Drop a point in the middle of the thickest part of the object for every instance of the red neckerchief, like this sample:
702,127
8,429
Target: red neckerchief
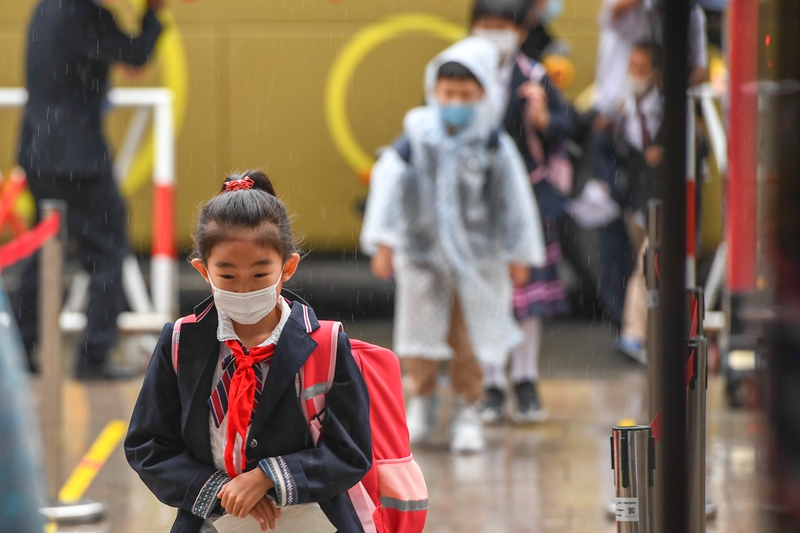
241,396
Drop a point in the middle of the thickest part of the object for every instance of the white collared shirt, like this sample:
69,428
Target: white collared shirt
225,332
652,109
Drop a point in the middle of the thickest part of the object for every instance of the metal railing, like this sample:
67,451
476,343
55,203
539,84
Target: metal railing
149,309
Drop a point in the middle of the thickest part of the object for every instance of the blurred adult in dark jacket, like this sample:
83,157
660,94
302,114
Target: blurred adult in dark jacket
72,45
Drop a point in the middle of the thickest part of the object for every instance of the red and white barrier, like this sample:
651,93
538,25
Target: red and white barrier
149,314
691,195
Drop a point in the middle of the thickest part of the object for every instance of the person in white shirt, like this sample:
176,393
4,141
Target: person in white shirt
622,186
626,22
639,153
622,24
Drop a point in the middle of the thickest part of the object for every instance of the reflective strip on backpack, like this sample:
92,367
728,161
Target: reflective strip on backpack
404,506
401,485
315,390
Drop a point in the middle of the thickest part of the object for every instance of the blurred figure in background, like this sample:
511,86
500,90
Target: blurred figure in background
451,215
539,38
72,45
715,17
623,23
638,152
538,119
21,489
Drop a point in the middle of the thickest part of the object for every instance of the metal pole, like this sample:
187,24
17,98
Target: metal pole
673,477
633,462
653,314
698,355
50,295
695,312
50,340
784,337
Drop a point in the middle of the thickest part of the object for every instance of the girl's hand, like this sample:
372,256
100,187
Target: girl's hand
381,263
266,513
520,274
243,492
538,113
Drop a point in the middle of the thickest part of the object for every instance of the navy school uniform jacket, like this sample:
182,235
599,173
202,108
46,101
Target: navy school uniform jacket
168,440
562,125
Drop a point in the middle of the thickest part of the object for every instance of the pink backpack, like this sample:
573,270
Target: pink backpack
392,497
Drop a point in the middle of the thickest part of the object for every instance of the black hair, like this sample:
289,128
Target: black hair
255,209
457,71
654,50
516,11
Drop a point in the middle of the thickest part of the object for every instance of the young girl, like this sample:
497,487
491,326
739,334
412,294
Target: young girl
228,431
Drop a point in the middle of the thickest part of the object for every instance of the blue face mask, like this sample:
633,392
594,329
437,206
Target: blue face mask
456,115
552,10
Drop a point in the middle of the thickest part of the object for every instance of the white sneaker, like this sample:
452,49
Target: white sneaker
417,414
466,431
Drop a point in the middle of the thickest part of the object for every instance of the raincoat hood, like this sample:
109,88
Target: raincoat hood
482,59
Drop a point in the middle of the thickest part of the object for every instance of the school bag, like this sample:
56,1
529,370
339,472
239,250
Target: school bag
392,497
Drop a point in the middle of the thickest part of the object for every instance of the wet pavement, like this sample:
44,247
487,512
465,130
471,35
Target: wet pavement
553,476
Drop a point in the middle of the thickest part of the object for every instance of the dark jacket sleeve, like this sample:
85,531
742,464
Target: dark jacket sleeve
562,116
108,43
344,454
154,446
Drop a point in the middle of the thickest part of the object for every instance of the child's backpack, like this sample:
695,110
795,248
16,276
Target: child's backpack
392,497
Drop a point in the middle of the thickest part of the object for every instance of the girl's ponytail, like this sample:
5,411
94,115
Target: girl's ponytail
260,181
247,203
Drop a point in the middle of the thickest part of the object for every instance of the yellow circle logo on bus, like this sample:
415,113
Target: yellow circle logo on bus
348,60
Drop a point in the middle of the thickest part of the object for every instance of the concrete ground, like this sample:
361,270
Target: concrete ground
554,476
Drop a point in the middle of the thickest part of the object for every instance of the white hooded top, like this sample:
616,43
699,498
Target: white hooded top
459,207
482,59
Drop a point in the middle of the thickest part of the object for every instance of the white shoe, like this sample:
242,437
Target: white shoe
417,414
466,431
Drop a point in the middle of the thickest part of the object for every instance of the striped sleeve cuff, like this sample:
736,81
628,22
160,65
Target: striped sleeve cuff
207,500
278,471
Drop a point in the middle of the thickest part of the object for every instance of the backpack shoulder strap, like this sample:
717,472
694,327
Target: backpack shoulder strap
494,138
403,147
316,375
531,69
176,338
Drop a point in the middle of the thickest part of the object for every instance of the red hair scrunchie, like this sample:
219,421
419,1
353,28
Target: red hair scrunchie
239,185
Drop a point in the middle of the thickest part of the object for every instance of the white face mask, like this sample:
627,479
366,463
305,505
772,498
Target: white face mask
639,86
506,41
246,307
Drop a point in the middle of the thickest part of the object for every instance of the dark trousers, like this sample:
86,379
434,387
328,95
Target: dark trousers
616,265
97,228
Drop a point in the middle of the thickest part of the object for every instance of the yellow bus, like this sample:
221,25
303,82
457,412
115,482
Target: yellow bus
305,89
